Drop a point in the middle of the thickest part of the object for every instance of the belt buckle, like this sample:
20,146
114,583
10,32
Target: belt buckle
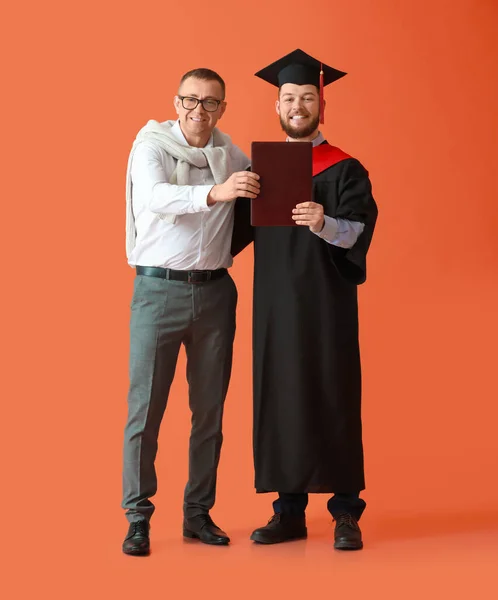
198,277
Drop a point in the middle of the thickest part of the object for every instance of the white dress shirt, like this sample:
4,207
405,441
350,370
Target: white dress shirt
201,236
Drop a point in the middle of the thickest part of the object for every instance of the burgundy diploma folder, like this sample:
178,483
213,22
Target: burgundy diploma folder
285,170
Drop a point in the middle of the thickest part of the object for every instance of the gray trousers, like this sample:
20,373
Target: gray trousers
165,314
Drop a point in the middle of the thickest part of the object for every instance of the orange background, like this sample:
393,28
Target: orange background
419,108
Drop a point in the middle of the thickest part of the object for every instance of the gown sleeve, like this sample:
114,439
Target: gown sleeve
243,231
355,203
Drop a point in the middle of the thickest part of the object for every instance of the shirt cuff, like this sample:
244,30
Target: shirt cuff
329,230
200,194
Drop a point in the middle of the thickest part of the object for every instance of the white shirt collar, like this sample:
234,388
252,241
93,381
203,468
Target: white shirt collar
318,140
176,130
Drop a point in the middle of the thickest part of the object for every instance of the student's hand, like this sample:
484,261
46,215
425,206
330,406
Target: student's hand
242,184
309,214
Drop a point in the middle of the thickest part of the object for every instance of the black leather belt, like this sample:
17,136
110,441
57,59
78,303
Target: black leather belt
189,276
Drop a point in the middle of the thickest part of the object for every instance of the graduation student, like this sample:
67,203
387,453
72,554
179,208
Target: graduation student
306,359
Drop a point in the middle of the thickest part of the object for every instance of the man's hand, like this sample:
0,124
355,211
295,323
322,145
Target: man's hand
310,214
243,184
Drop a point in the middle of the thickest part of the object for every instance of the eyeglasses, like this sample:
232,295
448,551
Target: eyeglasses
208,104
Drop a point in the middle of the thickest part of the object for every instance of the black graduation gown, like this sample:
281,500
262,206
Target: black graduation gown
306,360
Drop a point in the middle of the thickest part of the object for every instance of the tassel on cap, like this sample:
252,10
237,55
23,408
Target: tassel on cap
322,102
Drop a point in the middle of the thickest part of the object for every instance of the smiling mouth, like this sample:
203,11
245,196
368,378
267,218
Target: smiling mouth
298,118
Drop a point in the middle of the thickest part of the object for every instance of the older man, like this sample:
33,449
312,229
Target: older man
182,178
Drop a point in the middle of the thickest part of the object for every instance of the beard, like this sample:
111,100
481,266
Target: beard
298,134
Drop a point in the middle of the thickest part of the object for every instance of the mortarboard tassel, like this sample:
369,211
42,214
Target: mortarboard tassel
322,103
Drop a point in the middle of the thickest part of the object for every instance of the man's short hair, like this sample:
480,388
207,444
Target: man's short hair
205,75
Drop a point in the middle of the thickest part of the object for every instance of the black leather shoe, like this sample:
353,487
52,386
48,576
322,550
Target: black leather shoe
137,541
281,528
202,528
347,534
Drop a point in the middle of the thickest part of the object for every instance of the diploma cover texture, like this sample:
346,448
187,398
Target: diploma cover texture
285,170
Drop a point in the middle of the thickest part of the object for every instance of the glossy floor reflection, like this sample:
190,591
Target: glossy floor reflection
406,555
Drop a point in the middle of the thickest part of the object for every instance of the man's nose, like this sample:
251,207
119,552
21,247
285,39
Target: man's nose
199,108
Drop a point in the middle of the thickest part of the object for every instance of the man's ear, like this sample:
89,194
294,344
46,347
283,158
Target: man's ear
277,106
223,107
177,103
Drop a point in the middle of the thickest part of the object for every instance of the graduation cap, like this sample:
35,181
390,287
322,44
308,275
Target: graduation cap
302,69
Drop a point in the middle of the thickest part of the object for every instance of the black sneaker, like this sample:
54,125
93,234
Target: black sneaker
281,528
